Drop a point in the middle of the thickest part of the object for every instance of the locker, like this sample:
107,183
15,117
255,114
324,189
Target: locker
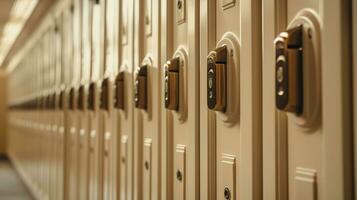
110,141
95,117
307,142
58,115
180,124
146,99
231,119
72,146
124,95
83,140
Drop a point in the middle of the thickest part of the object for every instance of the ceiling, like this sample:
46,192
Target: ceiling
32,22
5,7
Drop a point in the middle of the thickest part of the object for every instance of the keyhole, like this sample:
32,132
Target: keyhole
179,4
179,175
146,165
123,160
227,193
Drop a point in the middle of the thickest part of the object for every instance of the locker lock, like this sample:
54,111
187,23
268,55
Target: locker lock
53,101
60,101
80,99
172,83
141,88
216,79
289,66
119,91
71,99
104,95
48,102
91,96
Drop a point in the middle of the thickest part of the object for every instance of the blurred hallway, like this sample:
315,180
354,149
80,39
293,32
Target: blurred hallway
11,187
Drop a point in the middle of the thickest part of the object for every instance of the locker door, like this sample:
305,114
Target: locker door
124,105
70,114
230,78
74,32
307,128
59,112
53,107
95,134
63,104
180,100
147,100
107,104
83,141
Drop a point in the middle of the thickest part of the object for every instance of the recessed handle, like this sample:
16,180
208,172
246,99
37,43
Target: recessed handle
172,84
104,95
140,93
119,91
288,70
217,79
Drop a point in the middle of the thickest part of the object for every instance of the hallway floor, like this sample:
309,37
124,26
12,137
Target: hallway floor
11,185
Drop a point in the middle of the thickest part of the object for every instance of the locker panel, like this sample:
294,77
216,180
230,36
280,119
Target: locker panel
124,124
124,168
180,126
83,138
230,103
180,173
107,104
147,98
94,91
302,140
147,174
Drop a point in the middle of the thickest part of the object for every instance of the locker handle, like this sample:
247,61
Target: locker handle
172,76
119,91
288,70
104,95
71,99
91,96
140,93
80,99
61,100
216,79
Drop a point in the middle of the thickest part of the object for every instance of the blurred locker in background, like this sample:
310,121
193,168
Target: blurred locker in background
179,99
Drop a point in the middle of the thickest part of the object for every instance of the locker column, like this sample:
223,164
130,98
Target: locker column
124,95
180,99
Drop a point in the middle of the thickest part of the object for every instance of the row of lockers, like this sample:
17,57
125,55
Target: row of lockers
186,99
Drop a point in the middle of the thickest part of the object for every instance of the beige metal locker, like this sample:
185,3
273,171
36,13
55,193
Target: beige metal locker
95,123
124,95
108,123
180,107
83,161
230,103
73,16
306,141
147,100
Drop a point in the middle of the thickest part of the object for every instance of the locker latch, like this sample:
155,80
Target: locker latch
104,95
288,70
119,91
91,96
80,99
53,101
172,83
60,101
216,79
141,88
71,102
